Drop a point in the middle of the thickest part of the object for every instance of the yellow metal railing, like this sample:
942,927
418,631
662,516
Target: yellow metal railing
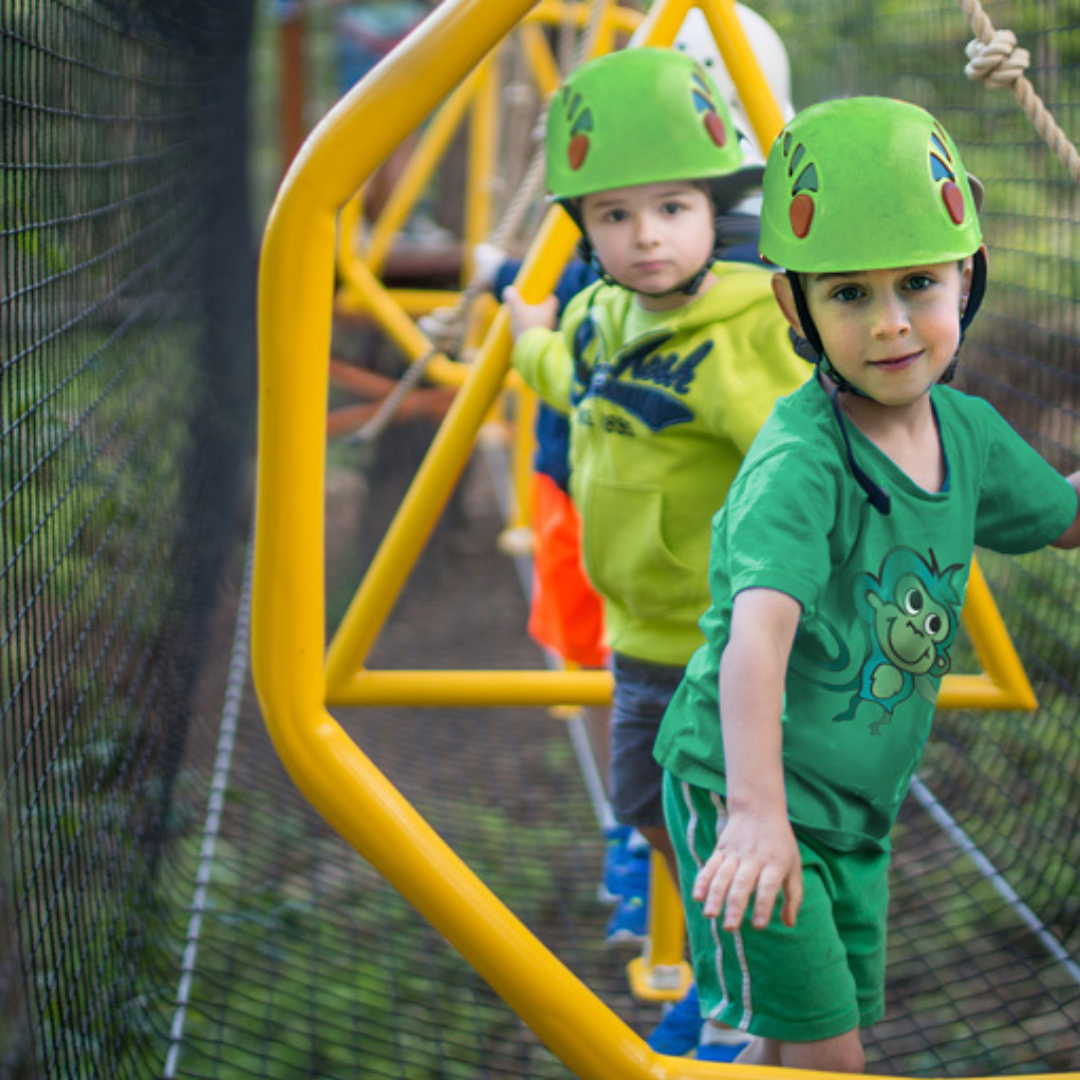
348,682
296,677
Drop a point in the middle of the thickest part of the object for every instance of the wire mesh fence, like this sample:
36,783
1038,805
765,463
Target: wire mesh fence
169,906
126,348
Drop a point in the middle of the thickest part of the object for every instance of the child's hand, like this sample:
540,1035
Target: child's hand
487,262
757,858
526,316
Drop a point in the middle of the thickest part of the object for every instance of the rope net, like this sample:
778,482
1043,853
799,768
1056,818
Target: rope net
169,905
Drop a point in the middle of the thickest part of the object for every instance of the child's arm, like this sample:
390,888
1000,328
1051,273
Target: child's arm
1070,538
525,316
756,854
540,355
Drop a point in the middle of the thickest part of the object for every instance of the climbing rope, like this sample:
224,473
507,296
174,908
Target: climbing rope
445,327
995,58
390,404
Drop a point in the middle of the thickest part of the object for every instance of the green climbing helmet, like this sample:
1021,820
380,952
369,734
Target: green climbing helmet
643,116
866,184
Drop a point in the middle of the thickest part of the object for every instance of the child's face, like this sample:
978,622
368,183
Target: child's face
890,333
651,237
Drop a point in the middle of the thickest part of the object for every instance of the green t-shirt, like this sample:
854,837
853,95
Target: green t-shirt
881,597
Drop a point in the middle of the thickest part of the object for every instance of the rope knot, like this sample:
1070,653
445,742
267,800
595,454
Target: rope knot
998,62
445,327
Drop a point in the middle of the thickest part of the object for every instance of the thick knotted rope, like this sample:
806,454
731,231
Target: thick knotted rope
995,58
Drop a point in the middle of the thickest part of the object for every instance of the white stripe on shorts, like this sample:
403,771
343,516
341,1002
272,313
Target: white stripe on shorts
747,997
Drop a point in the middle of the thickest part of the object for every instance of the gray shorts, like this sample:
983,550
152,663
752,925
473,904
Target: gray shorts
642,692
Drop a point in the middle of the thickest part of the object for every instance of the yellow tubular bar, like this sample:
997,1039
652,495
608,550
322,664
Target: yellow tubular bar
349,224
661,973
441,468
296,292
522,454
425,301
448,689
421,166
1005,684
481,165
542,64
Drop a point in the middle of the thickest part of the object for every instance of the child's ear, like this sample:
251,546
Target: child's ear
781,287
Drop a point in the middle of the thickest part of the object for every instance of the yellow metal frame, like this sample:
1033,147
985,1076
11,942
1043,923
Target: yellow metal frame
295,677
661,973
348,681
1003,683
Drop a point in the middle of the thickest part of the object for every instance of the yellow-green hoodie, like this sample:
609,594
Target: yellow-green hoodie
660,422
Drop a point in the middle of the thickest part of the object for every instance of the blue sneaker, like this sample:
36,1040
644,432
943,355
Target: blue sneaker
626,868
615,840
680,1029
629,923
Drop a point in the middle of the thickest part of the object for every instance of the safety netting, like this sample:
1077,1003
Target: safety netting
169,905
126,362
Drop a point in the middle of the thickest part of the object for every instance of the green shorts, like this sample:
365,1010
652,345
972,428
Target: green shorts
821,978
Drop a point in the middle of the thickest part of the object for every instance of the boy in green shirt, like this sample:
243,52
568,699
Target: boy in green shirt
838,570
667,367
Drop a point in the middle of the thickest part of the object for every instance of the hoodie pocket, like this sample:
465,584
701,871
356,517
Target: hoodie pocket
628,558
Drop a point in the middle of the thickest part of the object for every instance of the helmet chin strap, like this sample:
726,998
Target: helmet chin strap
810,332
974,302
876,495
